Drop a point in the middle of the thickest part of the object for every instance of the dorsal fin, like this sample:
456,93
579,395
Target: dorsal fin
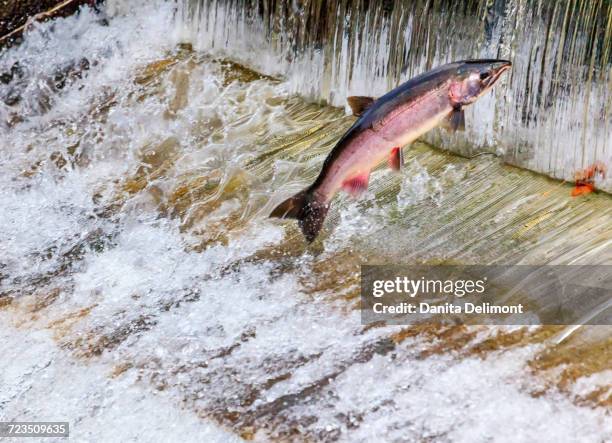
359,104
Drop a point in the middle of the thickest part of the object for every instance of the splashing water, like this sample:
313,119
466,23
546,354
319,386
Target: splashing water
139,272
418,186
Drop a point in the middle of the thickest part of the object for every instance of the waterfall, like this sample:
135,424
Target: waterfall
552,114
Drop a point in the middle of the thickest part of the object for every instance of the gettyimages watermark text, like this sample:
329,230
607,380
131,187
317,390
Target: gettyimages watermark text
502,295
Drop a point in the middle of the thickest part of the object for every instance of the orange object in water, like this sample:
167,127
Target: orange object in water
582,189
585,179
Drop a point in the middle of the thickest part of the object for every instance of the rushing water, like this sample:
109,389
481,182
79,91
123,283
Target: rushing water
553,113
145,294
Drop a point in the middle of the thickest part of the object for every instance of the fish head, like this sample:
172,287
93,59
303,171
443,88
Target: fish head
474,78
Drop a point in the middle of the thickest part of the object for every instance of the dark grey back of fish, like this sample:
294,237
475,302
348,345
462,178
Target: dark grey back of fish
415,88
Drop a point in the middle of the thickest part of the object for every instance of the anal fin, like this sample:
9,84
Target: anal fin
396,159
356,185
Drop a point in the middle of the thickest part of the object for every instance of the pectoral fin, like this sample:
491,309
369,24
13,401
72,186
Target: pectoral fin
455,121
359,104
396,159
357,185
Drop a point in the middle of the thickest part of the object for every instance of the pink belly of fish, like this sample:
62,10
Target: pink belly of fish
373,146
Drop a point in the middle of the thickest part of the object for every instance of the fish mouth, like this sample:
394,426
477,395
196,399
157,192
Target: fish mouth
497,70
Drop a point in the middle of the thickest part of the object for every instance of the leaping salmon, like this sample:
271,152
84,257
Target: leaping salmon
384,126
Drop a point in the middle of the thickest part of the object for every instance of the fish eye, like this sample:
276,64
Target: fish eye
484,75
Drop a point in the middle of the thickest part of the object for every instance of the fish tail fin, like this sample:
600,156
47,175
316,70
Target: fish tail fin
308,208
312,216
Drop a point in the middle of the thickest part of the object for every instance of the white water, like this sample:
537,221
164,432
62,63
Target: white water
40,383
184,311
